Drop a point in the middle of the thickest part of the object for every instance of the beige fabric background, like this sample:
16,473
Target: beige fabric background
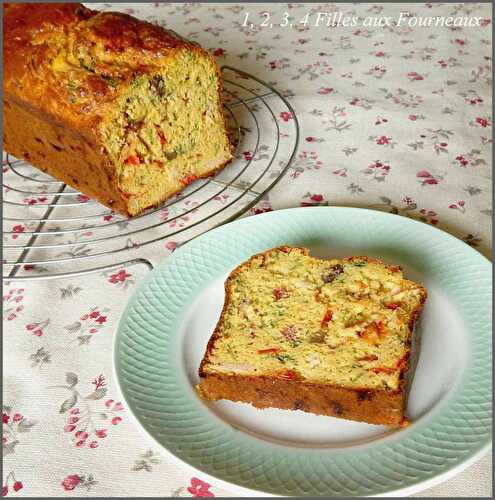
395,119
473,482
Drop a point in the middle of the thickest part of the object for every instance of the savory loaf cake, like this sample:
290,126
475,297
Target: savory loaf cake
120,109
330,337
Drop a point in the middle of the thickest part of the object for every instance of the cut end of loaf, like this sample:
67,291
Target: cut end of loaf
167,130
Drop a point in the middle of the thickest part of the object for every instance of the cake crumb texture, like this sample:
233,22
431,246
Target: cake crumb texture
327,336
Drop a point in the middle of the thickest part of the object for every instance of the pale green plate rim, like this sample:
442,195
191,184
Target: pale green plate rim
166,407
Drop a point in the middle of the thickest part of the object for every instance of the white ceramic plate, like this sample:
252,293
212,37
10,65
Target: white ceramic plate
164,332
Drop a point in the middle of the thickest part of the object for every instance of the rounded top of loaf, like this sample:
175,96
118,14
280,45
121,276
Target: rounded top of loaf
71,61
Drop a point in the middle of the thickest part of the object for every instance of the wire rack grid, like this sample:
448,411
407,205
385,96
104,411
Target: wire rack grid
52,230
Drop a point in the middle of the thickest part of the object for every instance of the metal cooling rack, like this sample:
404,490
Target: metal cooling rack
53,231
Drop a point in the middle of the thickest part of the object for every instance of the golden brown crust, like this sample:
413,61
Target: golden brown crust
62,137
384,407
372,406
36,32
63,153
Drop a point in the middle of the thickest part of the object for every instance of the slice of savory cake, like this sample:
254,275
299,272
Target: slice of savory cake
330,337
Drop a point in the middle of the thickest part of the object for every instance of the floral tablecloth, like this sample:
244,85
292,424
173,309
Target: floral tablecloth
395,118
